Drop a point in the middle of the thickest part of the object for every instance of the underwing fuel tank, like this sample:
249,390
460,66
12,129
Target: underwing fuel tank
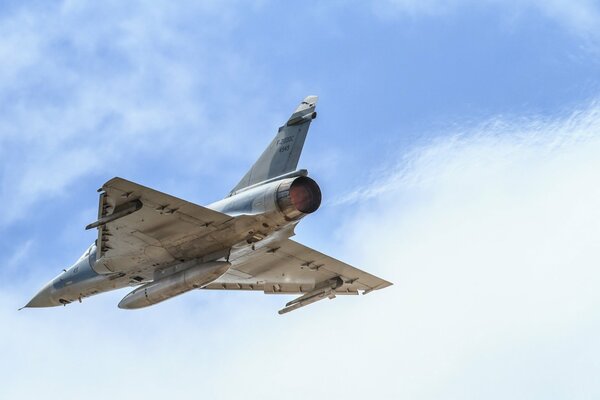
174,285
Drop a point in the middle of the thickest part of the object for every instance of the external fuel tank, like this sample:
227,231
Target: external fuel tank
173,285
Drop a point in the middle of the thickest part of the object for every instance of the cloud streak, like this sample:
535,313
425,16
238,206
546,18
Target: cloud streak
510,144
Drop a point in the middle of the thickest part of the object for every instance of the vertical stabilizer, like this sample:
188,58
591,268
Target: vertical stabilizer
283,153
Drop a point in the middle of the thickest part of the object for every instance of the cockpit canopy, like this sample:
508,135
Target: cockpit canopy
89,254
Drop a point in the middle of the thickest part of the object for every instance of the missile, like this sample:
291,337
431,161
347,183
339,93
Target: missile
322,291
173,285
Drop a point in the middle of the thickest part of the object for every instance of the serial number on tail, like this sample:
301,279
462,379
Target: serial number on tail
285,140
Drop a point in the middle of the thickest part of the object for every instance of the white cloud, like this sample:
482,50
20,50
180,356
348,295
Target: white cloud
579,16
491,238
19,255
82,85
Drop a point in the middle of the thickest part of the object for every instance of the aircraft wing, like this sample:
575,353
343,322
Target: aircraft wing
288,267
141,229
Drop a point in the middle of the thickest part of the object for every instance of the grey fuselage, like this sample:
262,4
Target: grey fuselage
82,279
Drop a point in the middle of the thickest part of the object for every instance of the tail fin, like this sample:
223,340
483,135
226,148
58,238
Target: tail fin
283,153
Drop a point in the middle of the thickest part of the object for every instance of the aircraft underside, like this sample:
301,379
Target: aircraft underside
166,246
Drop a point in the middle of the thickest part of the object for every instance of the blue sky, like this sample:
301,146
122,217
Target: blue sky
456,146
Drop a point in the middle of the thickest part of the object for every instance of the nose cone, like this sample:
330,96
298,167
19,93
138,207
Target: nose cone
44,298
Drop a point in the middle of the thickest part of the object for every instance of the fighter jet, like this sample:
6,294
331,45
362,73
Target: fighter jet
166,246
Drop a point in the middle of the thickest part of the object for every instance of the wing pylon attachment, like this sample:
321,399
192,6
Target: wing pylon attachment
324,290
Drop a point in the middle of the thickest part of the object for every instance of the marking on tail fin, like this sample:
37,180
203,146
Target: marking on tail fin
283,153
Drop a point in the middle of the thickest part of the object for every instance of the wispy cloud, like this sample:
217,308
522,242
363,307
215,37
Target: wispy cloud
512,143
85,86
19,255
579,16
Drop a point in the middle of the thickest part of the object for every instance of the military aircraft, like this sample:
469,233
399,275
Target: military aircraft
167,246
